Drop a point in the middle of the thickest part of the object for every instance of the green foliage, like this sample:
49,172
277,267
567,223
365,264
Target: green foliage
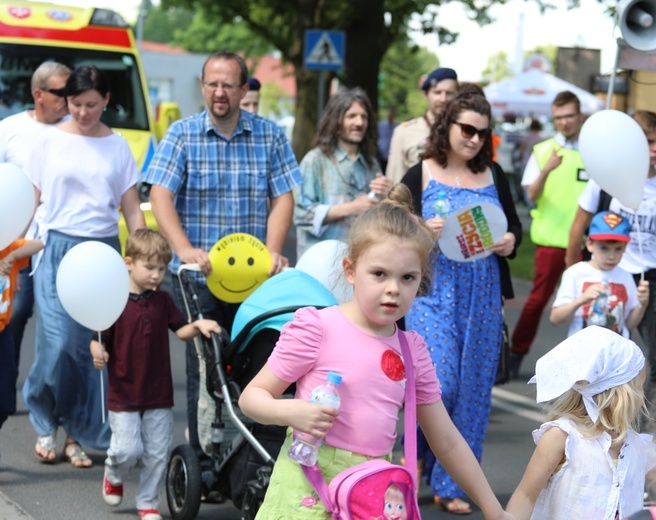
160,24
498,68
274,103
401,68
207,34
523,265
549,51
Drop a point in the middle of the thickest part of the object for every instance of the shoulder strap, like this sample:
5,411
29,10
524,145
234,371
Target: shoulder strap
604,201
313,473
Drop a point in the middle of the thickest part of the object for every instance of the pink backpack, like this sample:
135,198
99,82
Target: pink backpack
367,490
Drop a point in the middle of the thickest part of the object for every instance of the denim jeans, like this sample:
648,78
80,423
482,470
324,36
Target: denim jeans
8,374
22,308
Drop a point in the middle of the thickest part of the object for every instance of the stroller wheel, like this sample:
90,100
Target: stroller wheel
251,503
183,483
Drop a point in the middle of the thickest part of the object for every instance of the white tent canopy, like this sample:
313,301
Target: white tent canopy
532,92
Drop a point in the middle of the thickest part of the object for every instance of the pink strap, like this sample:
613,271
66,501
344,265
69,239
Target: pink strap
313,473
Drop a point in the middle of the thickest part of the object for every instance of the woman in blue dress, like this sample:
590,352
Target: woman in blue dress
460,315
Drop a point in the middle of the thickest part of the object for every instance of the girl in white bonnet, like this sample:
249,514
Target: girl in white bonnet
589,462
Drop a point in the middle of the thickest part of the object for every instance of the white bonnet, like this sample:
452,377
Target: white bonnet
597,355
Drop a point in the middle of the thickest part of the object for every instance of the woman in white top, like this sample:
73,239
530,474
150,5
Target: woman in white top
82,173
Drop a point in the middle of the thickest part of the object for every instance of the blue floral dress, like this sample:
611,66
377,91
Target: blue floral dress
461,320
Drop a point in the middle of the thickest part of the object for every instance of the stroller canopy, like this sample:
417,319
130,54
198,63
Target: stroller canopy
289,288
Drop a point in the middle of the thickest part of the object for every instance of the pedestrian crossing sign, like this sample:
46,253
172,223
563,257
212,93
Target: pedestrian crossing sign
324,50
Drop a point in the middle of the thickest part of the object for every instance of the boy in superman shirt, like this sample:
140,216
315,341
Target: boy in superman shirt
12,259
601,278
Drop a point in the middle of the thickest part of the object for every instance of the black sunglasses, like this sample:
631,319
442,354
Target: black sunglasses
61,92
469,131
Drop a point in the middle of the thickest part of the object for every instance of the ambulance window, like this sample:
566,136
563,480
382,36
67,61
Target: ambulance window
127,107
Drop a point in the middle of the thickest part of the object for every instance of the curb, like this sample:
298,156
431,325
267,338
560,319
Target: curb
10,510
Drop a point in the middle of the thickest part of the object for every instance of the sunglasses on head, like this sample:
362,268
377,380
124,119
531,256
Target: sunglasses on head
469,131
61,92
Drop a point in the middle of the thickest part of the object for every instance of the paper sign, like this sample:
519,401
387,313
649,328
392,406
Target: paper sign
470,232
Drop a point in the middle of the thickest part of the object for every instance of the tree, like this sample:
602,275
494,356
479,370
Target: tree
401,68
371,26
498,68
159,25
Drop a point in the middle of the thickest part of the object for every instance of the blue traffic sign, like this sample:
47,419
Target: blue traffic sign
324,50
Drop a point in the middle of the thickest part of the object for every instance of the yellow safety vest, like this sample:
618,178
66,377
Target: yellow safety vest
556,207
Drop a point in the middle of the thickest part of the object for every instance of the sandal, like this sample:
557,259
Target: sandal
455,506
46,448
74,454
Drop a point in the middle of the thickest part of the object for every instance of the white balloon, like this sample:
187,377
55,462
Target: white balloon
16,203
93,284
615,154
323,261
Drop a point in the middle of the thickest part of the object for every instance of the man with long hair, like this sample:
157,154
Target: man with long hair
341,174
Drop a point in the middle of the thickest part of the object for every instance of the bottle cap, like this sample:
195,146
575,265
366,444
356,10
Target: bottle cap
334,378
442,194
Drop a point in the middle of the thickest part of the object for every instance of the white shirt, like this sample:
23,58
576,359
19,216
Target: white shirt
623,299
18,133
590,485
643,224
81,180
532,170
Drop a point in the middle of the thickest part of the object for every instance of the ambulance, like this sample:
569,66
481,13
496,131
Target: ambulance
34,32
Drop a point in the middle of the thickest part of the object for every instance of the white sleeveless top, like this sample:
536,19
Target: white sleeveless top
589,485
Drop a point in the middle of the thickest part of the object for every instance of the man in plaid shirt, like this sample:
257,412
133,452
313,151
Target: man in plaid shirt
215,173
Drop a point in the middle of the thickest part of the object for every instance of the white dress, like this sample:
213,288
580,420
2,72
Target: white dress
589,485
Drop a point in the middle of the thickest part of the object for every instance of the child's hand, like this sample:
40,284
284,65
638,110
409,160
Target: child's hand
5,265
206,327
315,419
643,292
592,292
99,354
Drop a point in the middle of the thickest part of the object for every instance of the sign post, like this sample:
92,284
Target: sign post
324,51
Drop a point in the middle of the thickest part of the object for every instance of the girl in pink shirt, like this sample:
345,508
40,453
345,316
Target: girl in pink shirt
388,256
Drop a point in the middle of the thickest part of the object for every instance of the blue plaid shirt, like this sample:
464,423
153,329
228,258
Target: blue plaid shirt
223,186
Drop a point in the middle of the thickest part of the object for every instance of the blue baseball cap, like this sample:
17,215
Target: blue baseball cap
609,226
438,75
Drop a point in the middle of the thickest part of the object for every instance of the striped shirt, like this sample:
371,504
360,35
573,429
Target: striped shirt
221,185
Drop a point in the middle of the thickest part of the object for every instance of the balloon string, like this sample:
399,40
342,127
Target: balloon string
102,386
642,258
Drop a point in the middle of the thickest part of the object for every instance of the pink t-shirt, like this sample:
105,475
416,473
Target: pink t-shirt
373,384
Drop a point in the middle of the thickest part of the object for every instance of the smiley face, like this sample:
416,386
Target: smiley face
240,263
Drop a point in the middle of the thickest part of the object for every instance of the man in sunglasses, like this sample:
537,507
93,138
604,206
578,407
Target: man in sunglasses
554,178
18,135
411,138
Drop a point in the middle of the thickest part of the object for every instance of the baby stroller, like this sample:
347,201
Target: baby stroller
240,469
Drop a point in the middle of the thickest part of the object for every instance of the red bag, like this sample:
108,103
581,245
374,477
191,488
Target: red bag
368,490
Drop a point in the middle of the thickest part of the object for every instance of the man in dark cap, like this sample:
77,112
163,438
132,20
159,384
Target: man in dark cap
409,138
251,101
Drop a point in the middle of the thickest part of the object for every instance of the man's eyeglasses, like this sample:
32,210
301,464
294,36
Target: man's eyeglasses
565,117
61,92
469,131
226,87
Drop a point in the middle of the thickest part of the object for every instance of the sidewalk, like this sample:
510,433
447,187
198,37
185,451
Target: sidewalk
9,510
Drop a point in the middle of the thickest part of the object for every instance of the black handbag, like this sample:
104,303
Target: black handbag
503,371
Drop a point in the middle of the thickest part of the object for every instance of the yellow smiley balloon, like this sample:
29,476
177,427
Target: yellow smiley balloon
240,263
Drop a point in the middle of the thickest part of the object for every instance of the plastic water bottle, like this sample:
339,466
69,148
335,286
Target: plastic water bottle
600,306
305,448
442,205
